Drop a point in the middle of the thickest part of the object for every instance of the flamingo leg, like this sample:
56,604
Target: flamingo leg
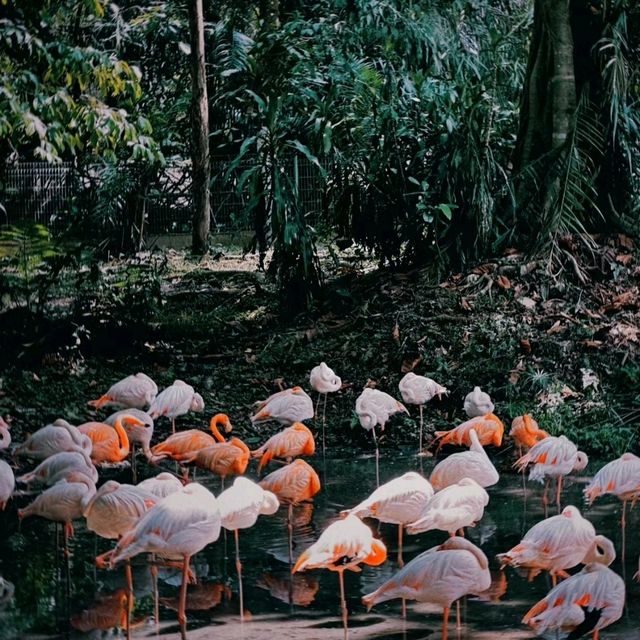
173,425
401,564
624,529
129,579
343,604
445,622
596,634
545,499
182,607
134,474
156,594
458,622
559,492
324,422
420,437
375,440
236,534
290,532
554,579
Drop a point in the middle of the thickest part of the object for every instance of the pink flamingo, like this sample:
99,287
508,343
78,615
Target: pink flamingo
324,380
474,464
7,484
59,466
135,391
240,505
419,390
179,526
176,400
557,544
343,545
54,438
441,575
296,440
286,407
586,602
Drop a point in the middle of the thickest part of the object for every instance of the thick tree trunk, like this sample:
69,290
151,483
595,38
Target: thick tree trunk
200,131
549,99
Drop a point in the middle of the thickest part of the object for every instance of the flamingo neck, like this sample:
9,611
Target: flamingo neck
219,419
123,450
5,438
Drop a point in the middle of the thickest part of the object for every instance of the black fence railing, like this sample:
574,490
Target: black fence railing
53,195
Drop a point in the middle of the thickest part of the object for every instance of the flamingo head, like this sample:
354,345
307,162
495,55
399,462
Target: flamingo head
581,461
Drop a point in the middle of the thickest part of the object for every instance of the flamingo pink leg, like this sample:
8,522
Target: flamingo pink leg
239,570
182,607
445,622
343,604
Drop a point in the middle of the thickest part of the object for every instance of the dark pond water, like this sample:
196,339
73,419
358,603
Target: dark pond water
48,603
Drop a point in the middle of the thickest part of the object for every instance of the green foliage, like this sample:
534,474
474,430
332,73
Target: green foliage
63,94
29,263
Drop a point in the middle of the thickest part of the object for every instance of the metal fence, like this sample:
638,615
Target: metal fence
51,194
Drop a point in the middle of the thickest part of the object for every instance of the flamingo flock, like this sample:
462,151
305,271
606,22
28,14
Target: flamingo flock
172,518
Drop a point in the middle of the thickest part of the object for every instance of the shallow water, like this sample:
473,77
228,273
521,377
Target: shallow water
48,603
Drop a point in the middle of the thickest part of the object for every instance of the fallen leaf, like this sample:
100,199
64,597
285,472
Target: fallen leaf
592,344
395,334
409,364
624,259
525,345
556,327
527,303
623,333
465,305
625,241
503,282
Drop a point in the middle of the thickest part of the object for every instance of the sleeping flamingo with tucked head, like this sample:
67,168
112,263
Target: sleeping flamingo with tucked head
221,458
7,484
374,408
419,390
399,501
64,502
477,403
176,400
584,603
557,544
324,380
621,478
135,391
552,457
179,526
240,505
54,438
5,435
59,466
296,440
286,407
110,444
294,483
489,429
455,507
344,544
441,575
474,464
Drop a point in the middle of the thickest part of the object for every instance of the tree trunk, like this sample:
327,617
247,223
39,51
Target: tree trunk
200,131
549,98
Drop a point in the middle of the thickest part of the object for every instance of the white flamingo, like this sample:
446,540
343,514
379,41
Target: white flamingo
135,391
324,380
240,505
419,390
176,400
374,408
